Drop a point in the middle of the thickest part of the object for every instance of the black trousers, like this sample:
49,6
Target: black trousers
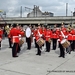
14,49
19,49
38,49
47,46
10,43
28,40
62,50
0,44
73,45
35,42
54,44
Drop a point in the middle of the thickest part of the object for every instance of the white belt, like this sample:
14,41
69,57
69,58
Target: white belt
69,34
73,35
15,36
39,35
54,34
47,36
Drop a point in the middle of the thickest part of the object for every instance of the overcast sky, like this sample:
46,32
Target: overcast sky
58,7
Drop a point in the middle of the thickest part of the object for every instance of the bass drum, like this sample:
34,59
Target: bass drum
28,32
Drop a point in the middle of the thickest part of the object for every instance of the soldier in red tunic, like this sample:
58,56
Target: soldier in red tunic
14,33
62,49
73,39
1,34
43,32
37,37
54,38
48,36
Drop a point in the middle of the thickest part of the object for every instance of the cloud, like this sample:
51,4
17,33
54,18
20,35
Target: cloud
58,7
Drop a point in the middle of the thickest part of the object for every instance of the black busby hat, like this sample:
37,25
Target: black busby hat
14,25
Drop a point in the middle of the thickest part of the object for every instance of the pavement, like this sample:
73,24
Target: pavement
28,63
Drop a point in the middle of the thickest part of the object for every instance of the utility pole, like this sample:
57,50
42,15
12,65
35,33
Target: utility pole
45,18
21,11
71,17
66,9
34,10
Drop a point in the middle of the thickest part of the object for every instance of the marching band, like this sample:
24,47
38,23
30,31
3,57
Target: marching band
43,36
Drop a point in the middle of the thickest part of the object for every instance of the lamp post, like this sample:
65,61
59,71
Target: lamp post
21,11
45,19
71,17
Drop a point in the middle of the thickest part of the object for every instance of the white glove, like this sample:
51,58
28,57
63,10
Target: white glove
58,39
19,37
66,36
40,35
34,37
32,33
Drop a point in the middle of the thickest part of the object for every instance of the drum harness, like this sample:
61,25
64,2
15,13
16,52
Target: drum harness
39,33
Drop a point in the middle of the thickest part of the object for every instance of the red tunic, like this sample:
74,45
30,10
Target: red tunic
54,35
38,34
34,32
44,33
73,33
60,37
14,32
48,34
57,31
64,31
1,33
69,36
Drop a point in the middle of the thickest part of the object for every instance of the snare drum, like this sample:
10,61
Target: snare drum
40,42
21,42
65,43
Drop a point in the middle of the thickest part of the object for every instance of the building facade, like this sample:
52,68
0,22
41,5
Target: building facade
38,13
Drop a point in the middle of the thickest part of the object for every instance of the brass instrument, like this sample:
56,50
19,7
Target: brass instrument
69,28
7,29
